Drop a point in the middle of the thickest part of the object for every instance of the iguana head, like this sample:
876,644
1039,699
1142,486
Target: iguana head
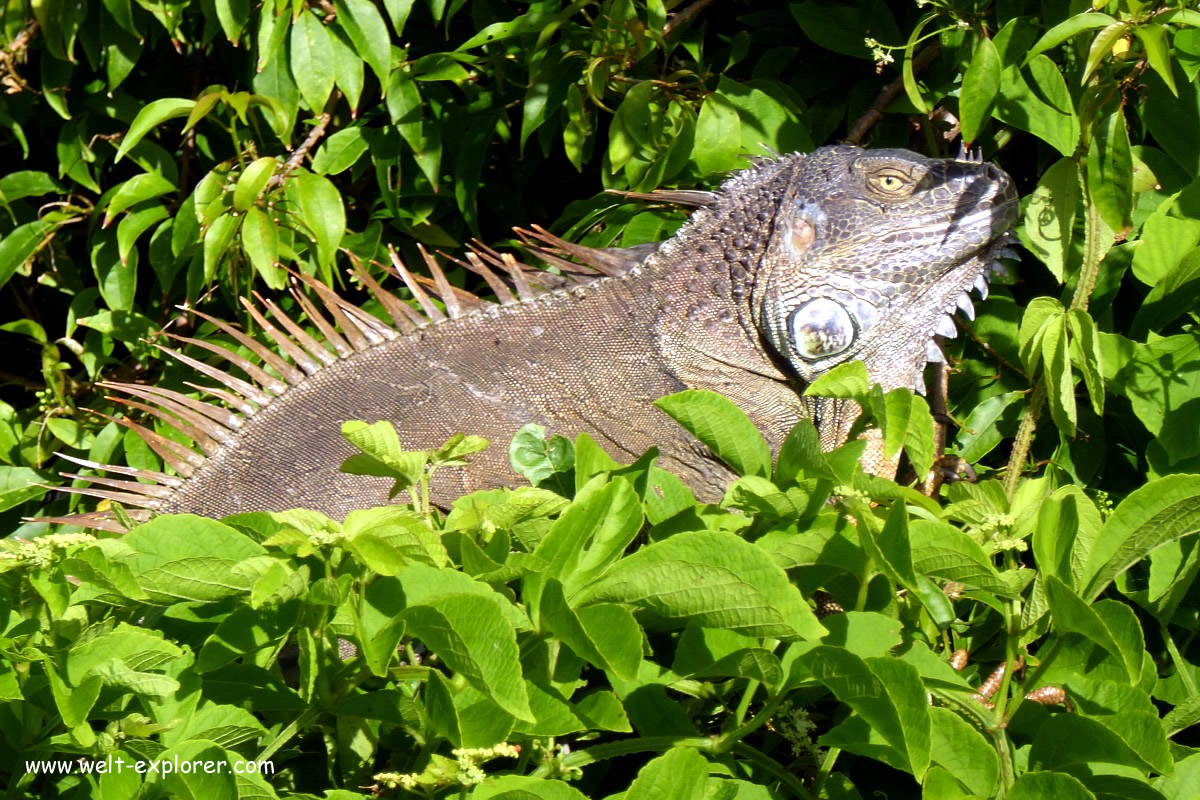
871,252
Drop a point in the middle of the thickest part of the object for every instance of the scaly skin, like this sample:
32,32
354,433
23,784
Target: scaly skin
793,267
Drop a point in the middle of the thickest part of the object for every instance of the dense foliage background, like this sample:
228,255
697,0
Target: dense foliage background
187,152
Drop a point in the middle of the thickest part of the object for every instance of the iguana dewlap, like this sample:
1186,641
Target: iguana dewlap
792,267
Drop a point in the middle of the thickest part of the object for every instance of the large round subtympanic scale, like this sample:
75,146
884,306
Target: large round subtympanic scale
821,328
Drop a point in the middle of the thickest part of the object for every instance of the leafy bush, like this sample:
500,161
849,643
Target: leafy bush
220,144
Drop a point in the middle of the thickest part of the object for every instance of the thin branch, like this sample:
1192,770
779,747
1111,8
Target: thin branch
310,141
684,17
875,113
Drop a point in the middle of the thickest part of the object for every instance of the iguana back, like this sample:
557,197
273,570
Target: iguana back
792,267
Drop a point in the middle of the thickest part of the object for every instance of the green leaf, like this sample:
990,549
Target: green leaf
18,484
962,750
723,427
135,190
322,210
885,693
134,225
1073,615
1060,380
1045,109
1154,39
386,539
347,66
849,380
311,54
1049,222
678,774
1110,171
340,151
217,239
1068,28
21,244
151,116
718,136
1102,46
260,240
1159,512
473,637
1038,785
1086,354
185,557
713,577
980,84
537,458
365,26
605,635
252,181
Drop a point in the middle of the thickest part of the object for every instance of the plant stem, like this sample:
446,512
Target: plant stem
772,768
1024,441
826,770
1181,666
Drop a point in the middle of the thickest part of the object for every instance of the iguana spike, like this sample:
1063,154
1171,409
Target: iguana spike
693,198
499,287
124,498
606,262
232,399
97,520
241,387
148,489
187,428
444,289
180,458
257,373
405,318
332,337
217,422
133,472
467,302
360,337
285,370
427,305
516,271
300,336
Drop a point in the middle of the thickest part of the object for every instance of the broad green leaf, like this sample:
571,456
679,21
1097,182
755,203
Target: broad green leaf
138,649
980,84
473,637
135,190
1067,743
1110,171
216,785
1039,315
260,240
311,55
1158,512
886,693
510,787
217,239
365,26
244,631
678,774
962,750
26,183
849,380
610,638
1175,293
1050,216
340,151
947,553
73,703
723,427
1102,46
252,181
713,577
18,484
185,557
1045,785
1086,354
233,15
1073,615
323,213
1060,380
134,225
388,538
1044,109
151,116
537,458
20,245
1068,28
1154,39
718,136
347,66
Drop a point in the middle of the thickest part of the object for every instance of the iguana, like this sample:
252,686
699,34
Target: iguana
793,266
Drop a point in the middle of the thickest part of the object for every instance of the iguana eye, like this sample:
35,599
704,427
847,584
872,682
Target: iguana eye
821,328
889,183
